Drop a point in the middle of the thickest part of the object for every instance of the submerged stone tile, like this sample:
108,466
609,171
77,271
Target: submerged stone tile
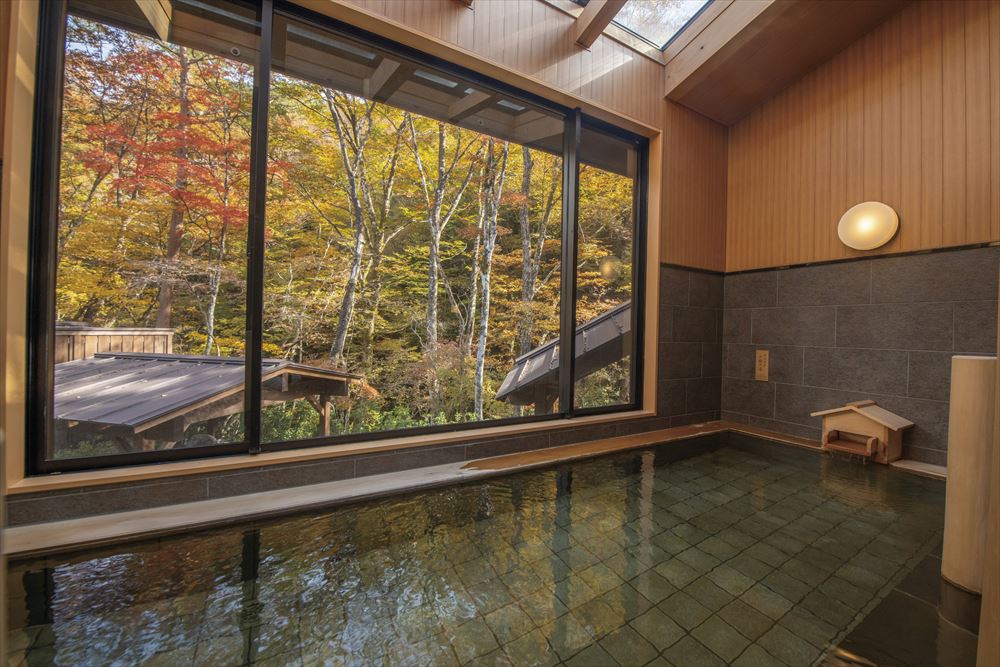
809,627
597,617
684,610
747,620
657,628
756,656
676,572
766,601
730,579
628,647
593,656
531,650
508,623
653,586
567,636
788,648
689,651
708,594
472,639
786,586
721,638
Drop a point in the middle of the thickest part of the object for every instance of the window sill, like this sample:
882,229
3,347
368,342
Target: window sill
91,478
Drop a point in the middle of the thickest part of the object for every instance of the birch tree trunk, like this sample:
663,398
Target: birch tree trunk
532,251
354,162
527,277
438,214
214,283
493,175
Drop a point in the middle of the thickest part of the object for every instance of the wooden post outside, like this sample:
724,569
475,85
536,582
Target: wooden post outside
324,415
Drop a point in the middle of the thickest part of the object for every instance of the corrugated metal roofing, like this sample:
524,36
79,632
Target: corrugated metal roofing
599,342
130,389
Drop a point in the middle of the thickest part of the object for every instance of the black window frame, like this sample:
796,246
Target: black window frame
43,227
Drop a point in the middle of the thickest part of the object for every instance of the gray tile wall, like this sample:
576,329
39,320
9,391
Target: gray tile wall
884,329
689,385
688,392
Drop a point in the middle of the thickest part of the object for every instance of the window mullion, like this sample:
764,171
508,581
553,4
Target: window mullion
567,314
255,239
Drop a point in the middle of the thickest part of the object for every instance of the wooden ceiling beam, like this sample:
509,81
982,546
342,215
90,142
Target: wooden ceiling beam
386,79
470,104
594,18
533,126
159,14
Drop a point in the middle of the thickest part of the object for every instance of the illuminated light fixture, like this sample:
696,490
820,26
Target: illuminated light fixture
868,225
610,267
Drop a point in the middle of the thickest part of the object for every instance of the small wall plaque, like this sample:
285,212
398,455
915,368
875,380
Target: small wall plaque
761,365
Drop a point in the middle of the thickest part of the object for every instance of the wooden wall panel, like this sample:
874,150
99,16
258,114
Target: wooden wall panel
909,115
536,39
694,190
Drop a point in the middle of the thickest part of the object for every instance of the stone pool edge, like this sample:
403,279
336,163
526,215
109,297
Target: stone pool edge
106,529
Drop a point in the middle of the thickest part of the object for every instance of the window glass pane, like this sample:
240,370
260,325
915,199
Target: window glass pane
152,228
413,243
605,254
657,21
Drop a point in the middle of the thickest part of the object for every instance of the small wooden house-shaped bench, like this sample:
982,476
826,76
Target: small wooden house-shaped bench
864,429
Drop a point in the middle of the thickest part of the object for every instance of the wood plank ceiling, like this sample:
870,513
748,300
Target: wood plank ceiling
753,49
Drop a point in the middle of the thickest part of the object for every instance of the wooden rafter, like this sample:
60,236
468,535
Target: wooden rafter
387,77
596,16
159,14
470,104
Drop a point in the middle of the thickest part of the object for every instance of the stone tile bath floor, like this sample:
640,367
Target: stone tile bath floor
741,554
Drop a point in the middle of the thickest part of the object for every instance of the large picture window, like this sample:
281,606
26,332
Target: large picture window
256,228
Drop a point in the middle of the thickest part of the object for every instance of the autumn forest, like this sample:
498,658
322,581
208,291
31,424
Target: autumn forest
422,256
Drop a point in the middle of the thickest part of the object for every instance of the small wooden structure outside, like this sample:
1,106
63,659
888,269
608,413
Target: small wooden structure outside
534,379
78,340
146,400
864,429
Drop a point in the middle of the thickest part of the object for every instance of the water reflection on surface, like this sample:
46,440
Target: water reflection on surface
742,555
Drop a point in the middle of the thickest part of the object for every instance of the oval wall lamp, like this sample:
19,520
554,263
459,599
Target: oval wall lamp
868,225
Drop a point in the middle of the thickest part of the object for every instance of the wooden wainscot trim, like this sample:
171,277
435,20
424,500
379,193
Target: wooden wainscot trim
92,478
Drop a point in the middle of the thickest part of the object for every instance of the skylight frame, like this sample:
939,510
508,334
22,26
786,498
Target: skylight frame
659,47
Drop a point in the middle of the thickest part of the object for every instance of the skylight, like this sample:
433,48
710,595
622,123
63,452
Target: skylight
657,21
